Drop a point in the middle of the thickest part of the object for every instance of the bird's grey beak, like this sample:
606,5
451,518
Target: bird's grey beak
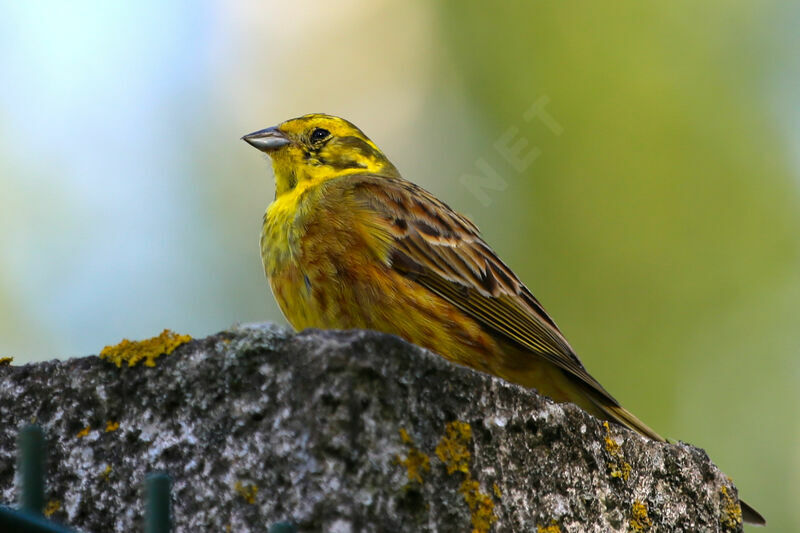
267,140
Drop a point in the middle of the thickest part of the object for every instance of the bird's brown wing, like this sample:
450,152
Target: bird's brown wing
443,251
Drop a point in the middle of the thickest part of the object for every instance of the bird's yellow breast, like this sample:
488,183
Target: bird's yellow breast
327,265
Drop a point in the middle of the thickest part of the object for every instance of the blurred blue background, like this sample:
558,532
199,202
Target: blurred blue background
655,211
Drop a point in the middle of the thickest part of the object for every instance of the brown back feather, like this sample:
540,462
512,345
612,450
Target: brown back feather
443,251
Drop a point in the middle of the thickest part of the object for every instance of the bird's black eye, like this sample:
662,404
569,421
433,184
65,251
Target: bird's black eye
319,134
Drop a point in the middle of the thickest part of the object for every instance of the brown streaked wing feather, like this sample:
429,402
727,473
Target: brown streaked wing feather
443,251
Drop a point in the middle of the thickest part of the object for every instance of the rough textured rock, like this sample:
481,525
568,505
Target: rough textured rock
342,431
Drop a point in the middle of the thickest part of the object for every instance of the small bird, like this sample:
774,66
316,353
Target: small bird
348,243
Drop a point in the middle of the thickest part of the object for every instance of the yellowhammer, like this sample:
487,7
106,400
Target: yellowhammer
348,243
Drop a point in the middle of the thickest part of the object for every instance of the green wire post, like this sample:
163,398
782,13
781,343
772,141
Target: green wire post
31,466
17,521
157,517
282,527
29,517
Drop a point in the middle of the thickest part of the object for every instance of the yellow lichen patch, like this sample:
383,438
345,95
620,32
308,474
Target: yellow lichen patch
248,492
481,506
6,361
148,350
84,432
552,528
111,426
496,491
51,507
731,511
106,474
622,470
452,449
415,461
617,467
611,445
640,521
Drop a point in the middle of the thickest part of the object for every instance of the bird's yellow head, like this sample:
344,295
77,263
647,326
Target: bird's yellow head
316,148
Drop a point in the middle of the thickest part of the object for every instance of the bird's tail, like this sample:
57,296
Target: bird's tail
751,516
620,415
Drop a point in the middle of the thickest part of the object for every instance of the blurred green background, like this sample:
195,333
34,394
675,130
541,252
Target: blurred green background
651,200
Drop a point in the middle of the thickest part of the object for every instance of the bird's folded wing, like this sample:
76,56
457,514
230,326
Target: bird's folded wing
443,251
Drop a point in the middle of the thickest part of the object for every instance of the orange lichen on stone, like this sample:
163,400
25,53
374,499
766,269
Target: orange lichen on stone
111,426
731,511
415,461
552,528
6,361
148,350
617,467
51,507
452,449
248,492
84,432
640,521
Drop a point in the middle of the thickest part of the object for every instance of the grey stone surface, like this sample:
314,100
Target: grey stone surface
258,425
